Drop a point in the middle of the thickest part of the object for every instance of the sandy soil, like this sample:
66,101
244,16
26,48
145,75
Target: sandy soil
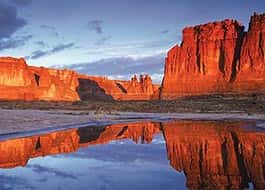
12,121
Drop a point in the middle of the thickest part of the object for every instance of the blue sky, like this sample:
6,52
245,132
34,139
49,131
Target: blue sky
85,32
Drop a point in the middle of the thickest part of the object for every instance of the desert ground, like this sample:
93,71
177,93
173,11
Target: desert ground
247,103
37,116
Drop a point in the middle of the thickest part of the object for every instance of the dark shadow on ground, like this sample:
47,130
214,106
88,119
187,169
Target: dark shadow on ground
90,90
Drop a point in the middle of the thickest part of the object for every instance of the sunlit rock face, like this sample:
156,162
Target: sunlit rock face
251,70
56,84
15,72
139,89
18,81
106,89
216,155
216,57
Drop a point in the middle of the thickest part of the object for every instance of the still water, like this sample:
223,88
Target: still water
145,155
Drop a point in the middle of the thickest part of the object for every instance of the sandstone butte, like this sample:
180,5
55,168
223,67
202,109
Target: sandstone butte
229,157
218,57
18,81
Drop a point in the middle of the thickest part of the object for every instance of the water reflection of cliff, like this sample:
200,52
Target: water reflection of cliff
16,152
218,155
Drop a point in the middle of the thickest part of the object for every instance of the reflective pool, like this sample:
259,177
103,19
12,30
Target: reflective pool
143,155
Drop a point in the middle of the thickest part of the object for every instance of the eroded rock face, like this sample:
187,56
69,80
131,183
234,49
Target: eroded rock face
15,72
56,84
216,57
106,89
251,72
141,89
18,81
15,79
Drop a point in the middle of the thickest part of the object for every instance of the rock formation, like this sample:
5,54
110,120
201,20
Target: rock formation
142,89
213,58
217,57
56,84
18,81
251,68
106,89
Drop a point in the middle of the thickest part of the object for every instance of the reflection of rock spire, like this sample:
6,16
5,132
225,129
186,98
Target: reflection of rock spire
216,155
16,152
136,131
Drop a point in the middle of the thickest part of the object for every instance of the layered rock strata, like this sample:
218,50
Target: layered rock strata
18,81
217,57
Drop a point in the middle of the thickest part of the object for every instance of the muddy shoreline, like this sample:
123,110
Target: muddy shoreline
20,116
247,103
23,121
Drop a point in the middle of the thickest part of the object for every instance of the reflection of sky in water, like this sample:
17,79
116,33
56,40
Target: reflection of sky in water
117,165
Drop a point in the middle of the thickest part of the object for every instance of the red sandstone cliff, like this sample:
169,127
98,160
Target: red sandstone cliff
217,57
18,81
251,68
56,84
104,88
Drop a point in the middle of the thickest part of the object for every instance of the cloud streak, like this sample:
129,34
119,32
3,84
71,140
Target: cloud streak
42,53
41,44
41,169
96,26
14,182
102,40
52,29
21,2
164,31
12,43
124,67
48,27
10,22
